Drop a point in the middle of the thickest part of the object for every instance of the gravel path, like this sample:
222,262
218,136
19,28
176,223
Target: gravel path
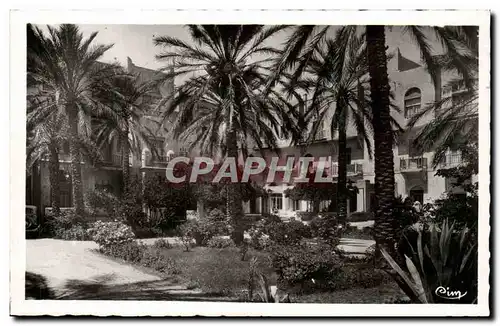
60,261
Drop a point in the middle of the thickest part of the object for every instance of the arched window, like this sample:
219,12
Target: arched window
413,102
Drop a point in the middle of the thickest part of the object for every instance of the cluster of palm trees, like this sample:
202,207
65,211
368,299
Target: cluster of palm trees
74,99
239,93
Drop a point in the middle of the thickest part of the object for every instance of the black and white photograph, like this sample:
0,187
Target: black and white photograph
171,168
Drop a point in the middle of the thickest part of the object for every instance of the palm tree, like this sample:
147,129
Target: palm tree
338,71
69,68
455,115
125,104
300,48
47,138
222,105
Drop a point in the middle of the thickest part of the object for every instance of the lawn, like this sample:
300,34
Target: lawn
222,272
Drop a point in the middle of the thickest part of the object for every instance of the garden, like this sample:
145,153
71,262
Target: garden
284,261
228,102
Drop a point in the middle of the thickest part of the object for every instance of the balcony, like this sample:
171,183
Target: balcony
157,161
412,164
353,169
113,159
451,161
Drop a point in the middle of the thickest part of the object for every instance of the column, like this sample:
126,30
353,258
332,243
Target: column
285,202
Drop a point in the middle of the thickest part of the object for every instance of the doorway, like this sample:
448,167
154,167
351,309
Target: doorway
417,194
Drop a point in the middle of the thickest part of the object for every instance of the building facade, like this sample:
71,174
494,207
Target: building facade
414,174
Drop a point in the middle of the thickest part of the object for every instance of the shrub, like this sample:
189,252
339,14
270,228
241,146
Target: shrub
107,234
219,270
306,216
78,232
259,240
162,244
327,229
287,233
206,228
129,251
96,200
220,243
298,264
154,259
66,225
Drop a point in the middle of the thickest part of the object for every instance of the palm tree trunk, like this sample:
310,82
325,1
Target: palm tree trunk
55,190
342,170
76,169
125,148
385,226
234,201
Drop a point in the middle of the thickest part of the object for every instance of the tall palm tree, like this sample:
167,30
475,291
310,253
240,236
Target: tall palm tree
338,71
123,121
300,48
222,105
69,68
45,140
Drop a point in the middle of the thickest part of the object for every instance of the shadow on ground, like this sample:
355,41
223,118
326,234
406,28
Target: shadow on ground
103,288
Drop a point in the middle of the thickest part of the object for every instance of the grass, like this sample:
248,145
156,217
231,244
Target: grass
219,271
221,275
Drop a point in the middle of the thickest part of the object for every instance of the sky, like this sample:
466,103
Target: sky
136,42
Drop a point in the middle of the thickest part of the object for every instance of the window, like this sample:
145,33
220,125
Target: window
413,99
296,205
276,202
183,151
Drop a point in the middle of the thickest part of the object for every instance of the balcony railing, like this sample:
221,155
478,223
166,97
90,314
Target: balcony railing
157,161
413,164
451,160
352,169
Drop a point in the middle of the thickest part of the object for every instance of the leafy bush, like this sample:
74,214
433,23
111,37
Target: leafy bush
146,256
129,251
441,257
287,233
165,204
220,243
78,232
66,225
162,244
299,264
154,259
259,240
460,208
206,228
219,270
306,216
107,234
96,200
327,229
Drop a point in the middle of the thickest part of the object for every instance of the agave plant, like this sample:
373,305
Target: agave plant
442,267
270,292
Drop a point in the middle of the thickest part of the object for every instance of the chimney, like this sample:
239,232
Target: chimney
129,62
